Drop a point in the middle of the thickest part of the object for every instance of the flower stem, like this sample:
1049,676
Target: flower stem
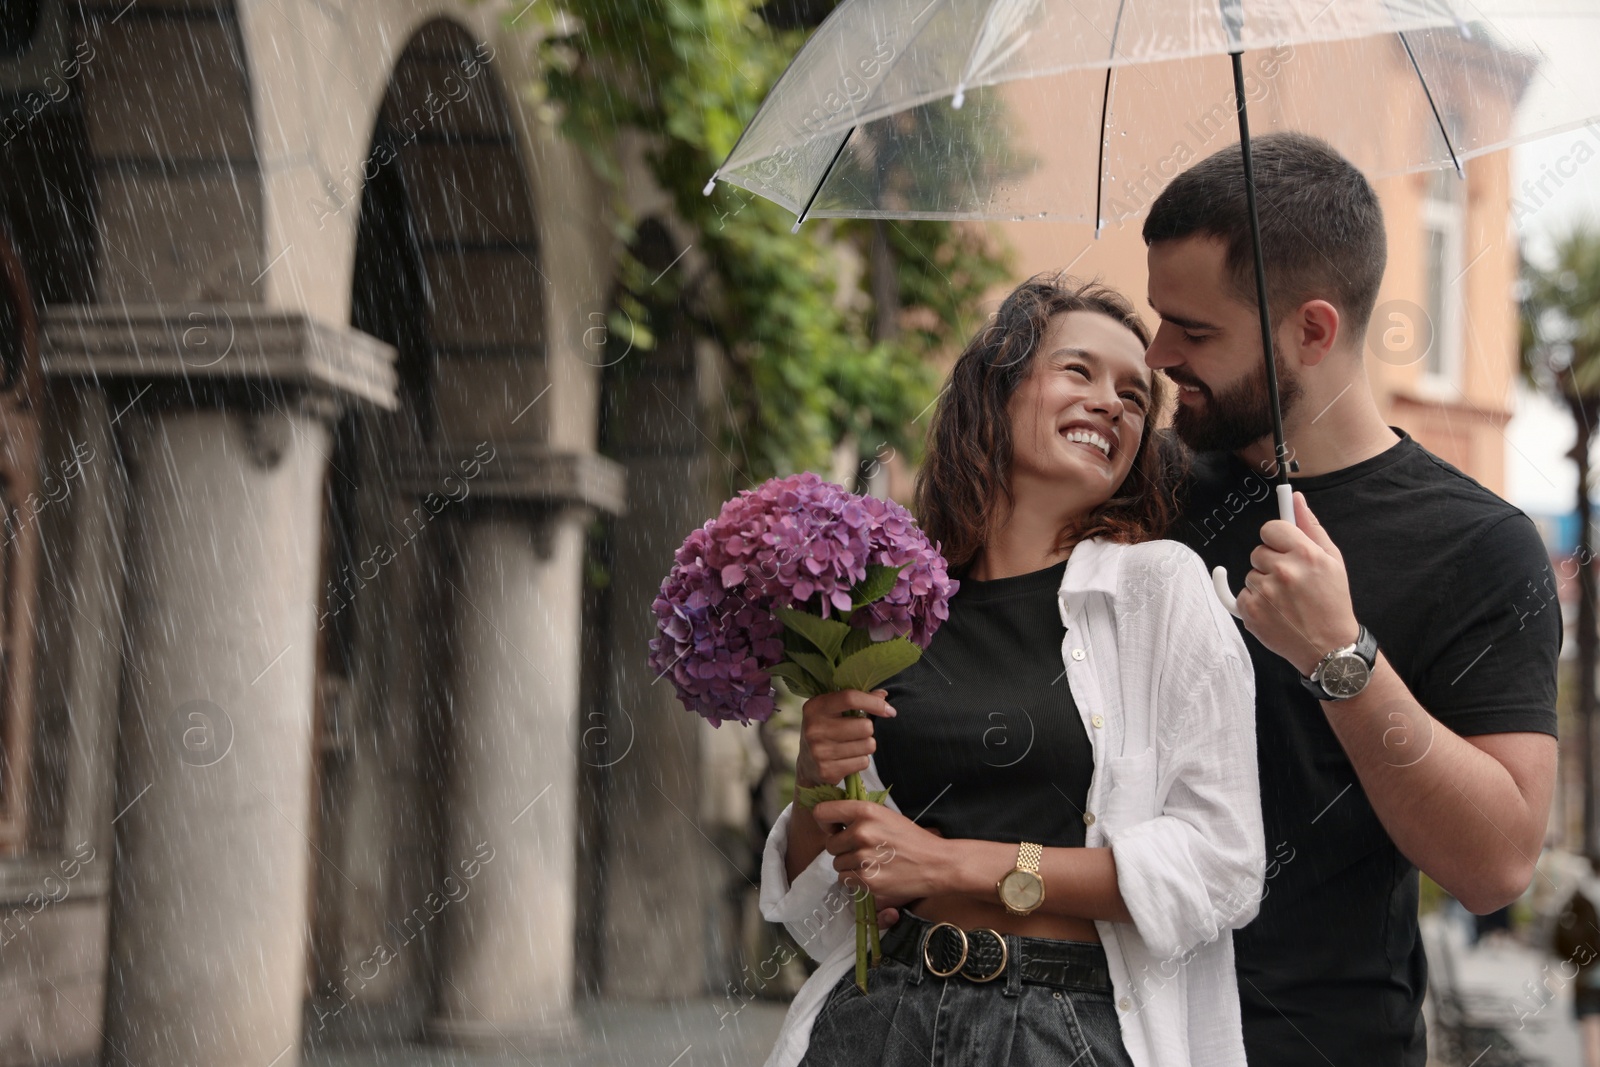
866,911
861,946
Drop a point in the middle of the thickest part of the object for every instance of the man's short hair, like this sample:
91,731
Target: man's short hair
1322,233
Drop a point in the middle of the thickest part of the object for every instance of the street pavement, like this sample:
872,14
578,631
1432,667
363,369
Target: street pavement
1521,987
1524,988
708,1032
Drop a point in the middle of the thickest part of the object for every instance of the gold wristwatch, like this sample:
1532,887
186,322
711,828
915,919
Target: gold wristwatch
1021,889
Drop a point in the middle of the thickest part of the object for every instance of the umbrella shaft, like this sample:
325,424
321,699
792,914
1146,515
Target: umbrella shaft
1280,451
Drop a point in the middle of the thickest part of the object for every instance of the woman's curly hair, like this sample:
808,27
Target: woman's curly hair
966,470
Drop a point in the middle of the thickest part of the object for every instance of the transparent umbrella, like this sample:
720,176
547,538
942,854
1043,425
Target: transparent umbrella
1082,110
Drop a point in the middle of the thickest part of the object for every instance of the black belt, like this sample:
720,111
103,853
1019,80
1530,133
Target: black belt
982,955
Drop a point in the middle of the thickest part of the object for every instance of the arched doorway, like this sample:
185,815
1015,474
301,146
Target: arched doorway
446,270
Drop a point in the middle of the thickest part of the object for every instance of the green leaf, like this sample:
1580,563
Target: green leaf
876,663
817,666
876,585
793,642
826,634
877,795
809,796
798,679
857,640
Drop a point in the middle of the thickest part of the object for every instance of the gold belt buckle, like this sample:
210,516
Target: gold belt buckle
928,940
1004,955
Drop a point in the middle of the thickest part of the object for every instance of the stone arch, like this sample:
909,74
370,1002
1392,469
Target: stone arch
446,269
444,152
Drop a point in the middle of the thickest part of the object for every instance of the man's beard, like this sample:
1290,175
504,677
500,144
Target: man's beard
1235,417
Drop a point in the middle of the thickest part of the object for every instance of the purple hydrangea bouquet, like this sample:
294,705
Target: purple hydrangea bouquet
801,580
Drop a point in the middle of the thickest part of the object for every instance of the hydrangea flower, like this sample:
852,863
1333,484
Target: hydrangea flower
797,542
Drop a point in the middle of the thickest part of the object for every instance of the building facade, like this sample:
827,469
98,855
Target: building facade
305,732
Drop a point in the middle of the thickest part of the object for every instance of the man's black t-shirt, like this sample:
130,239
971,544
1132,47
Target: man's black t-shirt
1456,585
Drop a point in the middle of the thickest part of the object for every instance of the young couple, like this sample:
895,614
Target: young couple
1123,828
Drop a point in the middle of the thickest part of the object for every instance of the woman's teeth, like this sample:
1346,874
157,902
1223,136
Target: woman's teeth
1089,437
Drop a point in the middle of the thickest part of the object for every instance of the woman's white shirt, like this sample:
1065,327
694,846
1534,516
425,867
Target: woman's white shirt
1163,682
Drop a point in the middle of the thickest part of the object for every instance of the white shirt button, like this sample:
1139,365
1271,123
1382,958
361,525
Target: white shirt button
1125,1004
1077,653
1098,720
1088,818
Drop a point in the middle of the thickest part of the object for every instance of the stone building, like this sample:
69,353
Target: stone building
303,409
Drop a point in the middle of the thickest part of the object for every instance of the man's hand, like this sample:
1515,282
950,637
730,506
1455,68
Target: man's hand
898,860
1296,599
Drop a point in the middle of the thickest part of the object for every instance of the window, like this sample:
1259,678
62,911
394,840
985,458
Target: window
1443,225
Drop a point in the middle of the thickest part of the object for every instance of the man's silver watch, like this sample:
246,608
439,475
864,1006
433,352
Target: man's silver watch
1344,672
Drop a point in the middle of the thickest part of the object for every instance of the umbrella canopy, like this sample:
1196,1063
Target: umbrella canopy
1081,110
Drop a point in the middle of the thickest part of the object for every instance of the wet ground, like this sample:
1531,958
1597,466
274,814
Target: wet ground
1520,987
699,1033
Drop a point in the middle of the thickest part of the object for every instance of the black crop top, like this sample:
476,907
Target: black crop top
988,743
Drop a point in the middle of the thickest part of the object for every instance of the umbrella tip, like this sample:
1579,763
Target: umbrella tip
796,227
959,99
710,185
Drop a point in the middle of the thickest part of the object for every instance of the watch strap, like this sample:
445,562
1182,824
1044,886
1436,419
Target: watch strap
1028,856
1365,646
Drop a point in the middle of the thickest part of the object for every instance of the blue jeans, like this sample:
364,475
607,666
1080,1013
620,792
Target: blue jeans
912,1018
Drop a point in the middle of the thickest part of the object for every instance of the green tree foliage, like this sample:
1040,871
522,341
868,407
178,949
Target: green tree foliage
1561,314
793,315
1561,353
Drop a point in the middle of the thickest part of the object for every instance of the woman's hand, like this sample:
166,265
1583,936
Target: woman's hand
833,744
895,858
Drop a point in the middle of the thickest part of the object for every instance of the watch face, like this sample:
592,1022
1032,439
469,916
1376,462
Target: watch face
1021,890
1345,676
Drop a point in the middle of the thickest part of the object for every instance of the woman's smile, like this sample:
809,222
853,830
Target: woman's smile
1089,437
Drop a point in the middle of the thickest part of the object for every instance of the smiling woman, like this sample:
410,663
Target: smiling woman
1013,406
1059,865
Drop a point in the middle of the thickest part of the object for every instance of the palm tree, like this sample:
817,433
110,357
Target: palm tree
1561,354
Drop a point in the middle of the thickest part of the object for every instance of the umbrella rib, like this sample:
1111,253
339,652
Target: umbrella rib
812,199
711,183
1445,133
961,82
772,92
1105,105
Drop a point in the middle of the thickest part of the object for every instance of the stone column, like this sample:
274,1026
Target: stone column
508,883
660,873
223,414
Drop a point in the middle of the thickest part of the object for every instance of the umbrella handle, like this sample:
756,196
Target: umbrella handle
1219,575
